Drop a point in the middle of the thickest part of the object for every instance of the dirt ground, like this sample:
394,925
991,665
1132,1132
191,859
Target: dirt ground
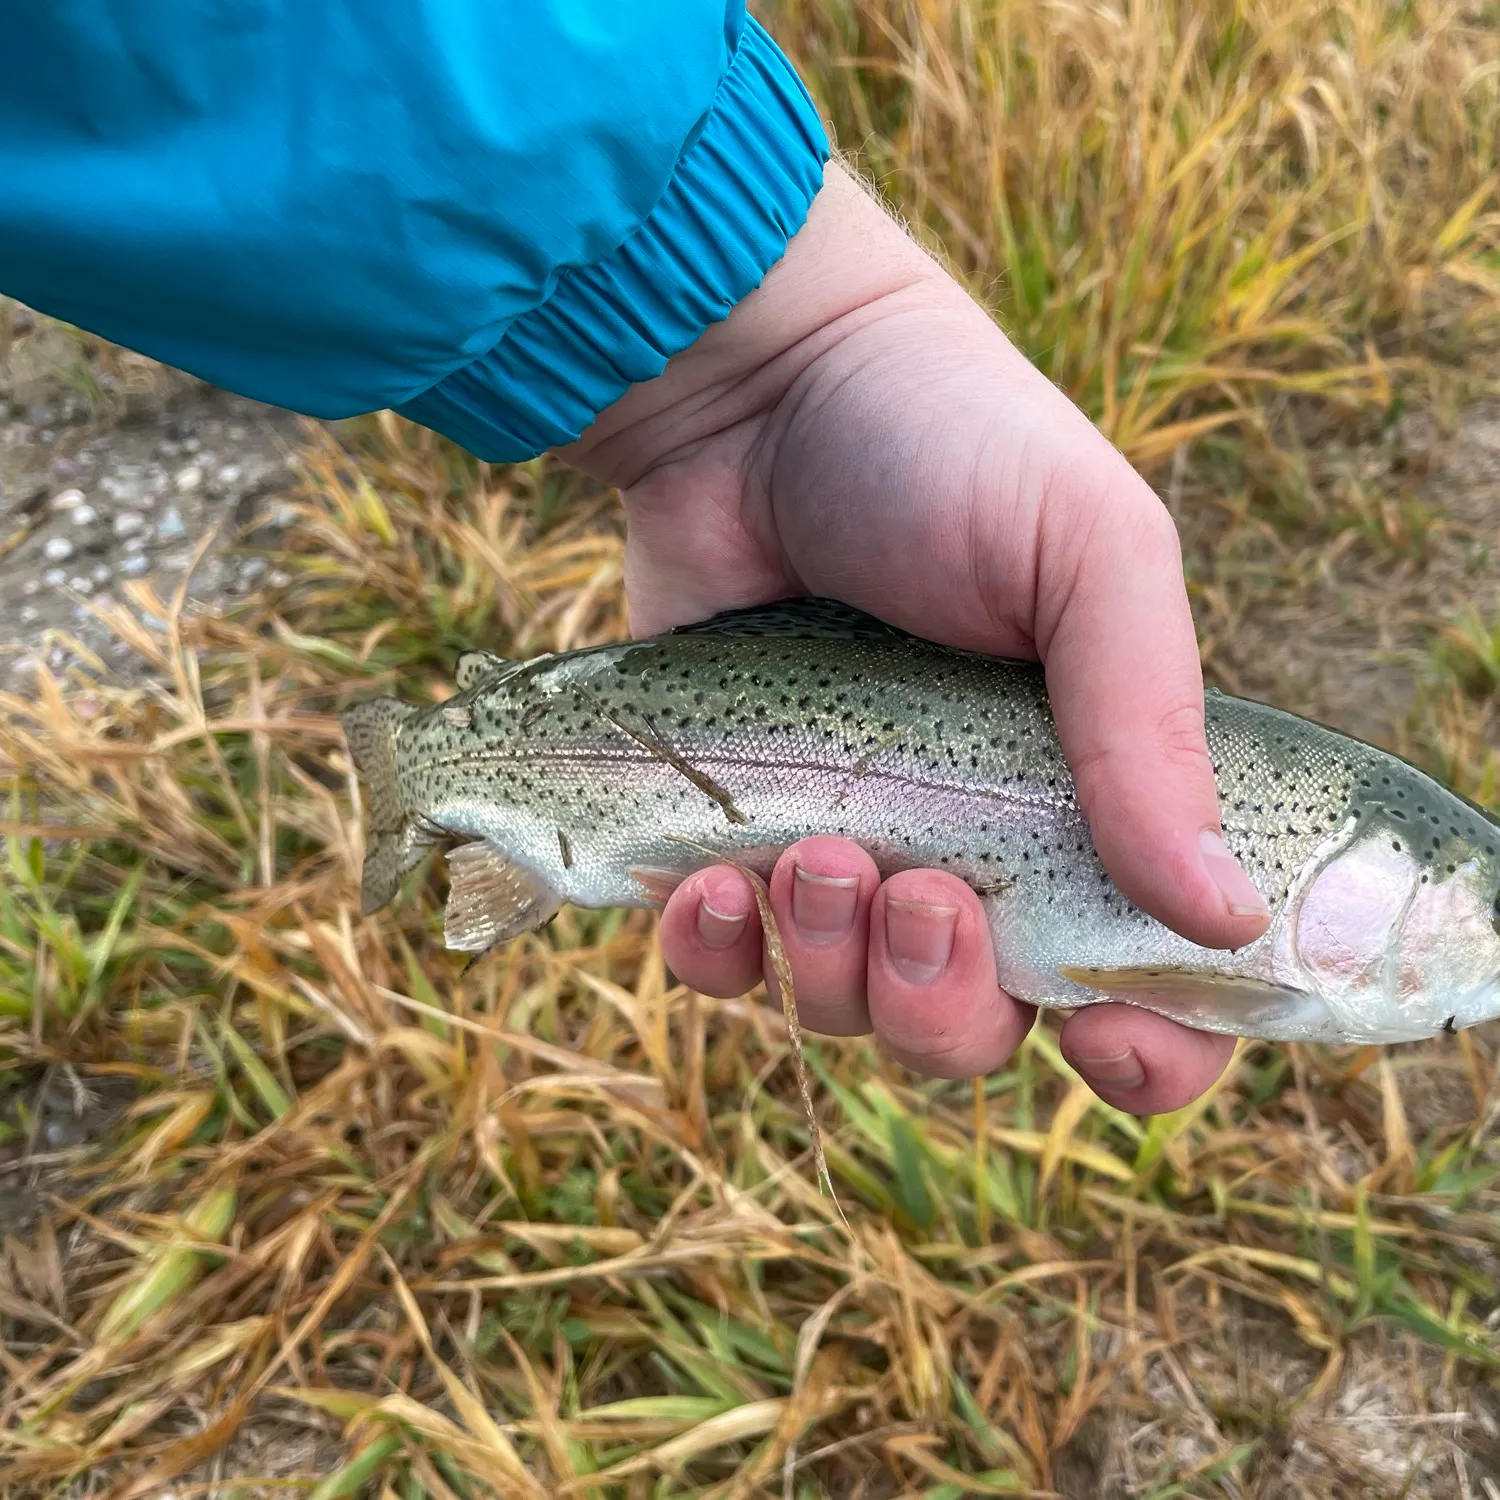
1333,607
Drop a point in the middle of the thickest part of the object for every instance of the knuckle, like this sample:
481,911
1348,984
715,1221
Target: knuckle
1180,734
1157,532
1105,772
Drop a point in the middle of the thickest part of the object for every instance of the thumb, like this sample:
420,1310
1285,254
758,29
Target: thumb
1126,685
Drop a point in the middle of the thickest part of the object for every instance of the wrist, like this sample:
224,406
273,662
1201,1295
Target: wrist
847,266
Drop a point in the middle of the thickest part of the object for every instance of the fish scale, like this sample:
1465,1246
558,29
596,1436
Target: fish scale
600,777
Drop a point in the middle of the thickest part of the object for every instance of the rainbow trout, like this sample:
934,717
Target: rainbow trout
601,776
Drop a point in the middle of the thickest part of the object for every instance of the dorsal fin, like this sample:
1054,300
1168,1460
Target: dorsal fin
797,617
474,665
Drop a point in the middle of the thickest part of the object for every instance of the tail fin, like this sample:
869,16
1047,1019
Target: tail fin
393,846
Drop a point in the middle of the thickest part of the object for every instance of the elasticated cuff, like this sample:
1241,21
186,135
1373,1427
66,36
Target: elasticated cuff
739,193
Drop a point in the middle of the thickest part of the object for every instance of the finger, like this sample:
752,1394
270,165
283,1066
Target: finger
1141,1062
710,933
934,1001
1126,686
821,891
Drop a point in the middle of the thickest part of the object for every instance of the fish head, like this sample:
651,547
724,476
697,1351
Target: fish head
1398,928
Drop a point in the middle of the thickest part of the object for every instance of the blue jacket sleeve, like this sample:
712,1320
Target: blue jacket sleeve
492,215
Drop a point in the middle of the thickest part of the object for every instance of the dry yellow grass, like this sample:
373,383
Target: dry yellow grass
1179,209
370,1229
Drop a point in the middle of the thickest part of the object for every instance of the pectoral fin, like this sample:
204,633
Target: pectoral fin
491,899
1209,1000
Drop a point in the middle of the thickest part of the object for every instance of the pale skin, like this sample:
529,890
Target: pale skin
859,427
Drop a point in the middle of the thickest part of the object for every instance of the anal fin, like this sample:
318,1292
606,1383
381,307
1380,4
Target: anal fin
1210,1000
492,900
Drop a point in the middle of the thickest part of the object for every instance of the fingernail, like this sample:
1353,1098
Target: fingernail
1240,894
1122,1071
920,938
719,929
823,905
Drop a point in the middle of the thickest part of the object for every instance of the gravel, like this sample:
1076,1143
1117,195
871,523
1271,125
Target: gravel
93,495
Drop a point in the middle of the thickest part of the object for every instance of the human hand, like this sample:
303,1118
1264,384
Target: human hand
860,428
